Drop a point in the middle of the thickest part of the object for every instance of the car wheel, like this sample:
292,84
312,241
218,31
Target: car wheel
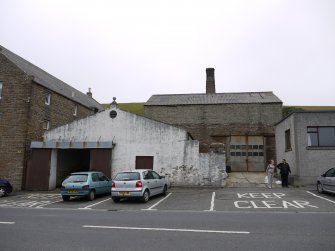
145,197
165,190
66,197
3,192
319,187
116,200
91,195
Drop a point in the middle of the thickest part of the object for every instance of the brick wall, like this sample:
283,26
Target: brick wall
13,121
22,112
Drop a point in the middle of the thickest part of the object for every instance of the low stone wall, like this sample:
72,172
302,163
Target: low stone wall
209,170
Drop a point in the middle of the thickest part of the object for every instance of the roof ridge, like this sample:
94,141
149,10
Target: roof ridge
49,81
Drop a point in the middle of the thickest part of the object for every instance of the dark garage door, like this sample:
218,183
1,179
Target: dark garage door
38,170
101,160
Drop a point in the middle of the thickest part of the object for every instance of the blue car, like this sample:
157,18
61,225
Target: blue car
87,184
5,187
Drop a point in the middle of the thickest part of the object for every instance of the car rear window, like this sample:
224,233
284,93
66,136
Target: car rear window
77,178
127,176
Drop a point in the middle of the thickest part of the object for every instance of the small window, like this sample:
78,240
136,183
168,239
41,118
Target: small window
46,125
48,99
244,153
238,153
249,153
232,153
260,146
261,154
75,110
254,146
0,90
232,146
288,140
255,154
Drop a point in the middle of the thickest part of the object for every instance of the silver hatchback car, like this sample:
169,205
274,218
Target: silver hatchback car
140,184
326,182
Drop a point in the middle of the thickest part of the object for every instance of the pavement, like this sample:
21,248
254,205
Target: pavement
248,179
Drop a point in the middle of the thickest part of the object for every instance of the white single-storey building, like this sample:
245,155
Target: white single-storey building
307,141
114,140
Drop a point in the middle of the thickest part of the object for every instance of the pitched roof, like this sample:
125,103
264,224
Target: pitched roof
45,79
216,98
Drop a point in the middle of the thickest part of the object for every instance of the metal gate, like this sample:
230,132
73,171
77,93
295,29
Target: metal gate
247,153
38,170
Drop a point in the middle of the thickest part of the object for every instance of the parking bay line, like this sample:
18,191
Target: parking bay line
212,203
168,229
89,206
321,197
154,205
7,222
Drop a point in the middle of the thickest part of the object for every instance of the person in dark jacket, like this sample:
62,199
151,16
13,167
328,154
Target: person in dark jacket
285,170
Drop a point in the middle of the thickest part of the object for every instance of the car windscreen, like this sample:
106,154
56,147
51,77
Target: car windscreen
77,178
127,176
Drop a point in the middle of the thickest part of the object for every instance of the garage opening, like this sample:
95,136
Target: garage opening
71,160
53,161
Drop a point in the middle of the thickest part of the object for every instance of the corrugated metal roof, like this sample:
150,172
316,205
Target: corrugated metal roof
45,79
217,98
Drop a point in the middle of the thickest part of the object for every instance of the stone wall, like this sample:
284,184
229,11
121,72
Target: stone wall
22,113
210,123
14,107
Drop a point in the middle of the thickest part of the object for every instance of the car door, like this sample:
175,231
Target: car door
96,183
329,181
149,181
158,183
105,183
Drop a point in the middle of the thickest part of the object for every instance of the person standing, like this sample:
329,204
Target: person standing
269,171
285,170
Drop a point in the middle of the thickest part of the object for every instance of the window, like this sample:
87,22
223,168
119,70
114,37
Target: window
95,177
288,140
155,175
46,125
75,109
0,90
48,99
321,136
144,162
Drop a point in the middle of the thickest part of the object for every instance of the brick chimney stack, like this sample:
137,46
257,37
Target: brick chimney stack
89,93
210,81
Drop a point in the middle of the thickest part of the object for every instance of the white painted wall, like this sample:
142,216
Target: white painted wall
53,170
138,136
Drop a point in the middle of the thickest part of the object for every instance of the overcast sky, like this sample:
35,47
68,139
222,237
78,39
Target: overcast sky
134,49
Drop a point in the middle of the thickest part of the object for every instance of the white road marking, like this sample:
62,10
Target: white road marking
169,229
7,222
321,197
212,203
154,205
45,204
89,206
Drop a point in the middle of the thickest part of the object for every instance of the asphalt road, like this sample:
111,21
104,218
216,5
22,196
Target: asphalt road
186,219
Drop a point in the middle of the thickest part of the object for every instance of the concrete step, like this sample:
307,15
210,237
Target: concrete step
248,179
